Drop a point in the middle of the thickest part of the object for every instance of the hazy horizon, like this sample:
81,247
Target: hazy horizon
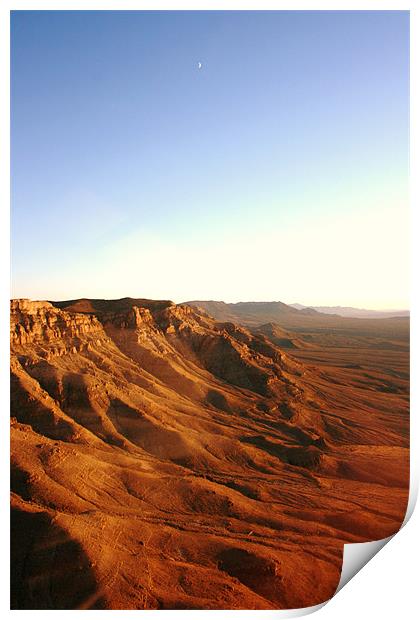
177,301
276,171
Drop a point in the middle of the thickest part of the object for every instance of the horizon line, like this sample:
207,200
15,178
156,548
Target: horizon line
291,304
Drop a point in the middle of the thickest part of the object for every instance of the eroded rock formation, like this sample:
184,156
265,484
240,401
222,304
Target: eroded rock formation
173,461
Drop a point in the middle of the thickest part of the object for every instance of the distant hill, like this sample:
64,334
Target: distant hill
307,324
279,336
251,312
350,312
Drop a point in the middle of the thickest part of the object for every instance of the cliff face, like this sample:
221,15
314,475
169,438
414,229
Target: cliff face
182,462
227,351
39,323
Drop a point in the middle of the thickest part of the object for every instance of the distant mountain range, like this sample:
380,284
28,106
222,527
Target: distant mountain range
253,313
360,313
298,328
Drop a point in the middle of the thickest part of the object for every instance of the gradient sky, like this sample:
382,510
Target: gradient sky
277,171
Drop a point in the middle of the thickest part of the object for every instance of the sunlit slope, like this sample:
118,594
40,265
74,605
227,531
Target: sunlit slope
173,461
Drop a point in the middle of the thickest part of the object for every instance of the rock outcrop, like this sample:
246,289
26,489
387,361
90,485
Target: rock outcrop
40,324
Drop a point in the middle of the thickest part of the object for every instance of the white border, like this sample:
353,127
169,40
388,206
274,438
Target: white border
386,586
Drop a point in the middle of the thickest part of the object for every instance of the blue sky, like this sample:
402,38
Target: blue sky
279,170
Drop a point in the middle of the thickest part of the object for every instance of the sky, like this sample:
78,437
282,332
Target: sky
278,170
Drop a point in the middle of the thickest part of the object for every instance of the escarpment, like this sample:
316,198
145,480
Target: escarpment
39,326
184,462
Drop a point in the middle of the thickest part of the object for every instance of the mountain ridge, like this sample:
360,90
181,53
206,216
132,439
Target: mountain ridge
352,312
299,320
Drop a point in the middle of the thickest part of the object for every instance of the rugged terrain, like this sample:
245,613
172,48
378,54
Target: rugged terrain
165,459
307,319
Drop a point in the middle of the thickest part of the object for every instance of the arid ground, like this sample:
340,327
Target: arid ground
165,459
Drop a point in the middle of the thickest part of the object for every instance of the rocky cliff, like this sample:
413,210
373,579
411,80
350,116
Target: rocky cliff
49,329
